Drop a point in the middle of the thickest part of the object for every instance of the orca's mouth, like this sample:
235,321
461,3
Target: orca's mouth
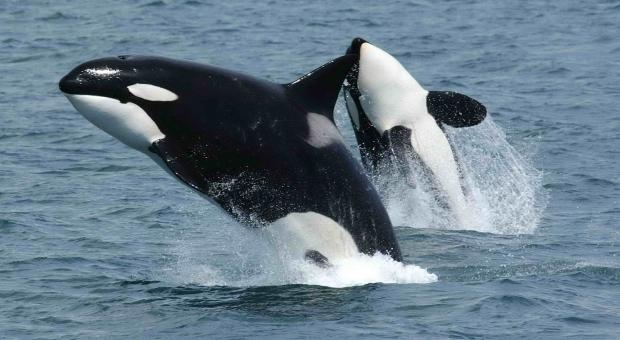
84,85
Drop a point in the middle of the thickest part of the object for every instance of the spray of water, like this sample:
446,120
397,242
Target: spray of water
503,190
255,260
358,270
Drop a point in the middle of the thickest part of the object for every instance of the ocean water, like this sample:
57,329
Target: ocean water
96,241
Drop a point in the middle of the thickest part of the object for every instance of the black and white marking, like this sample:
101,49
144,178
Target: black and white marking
394,119
266,153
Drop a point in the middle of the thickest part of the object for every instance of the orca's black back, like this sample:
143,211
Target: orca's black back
245,139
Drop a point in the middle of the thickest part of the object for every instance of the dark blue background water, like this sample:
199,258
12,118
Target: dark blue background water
97,241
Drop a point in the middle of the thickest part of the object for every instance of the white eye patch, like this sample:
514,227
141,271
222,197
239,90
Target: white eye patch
152,93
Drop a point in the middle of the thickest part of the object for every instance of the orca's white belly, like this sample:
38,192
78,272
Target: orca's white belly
297,233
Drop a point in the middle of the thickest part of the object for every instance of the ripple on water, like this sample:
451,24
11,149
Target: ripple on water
596,274
578,320
157,3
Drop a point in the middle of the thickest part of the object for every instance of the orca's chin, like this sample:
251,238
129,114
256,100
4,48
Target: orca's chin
127,122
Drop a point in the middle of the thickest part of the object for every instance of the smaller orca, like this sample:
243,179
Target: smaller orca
395,120
268,154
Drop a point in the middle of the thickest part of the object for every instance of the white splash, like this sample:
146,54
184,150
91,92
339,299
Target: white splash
252,260
360,270
504,191
355,271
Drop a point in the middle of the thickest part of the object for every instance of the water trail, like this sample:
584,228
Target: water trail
503,190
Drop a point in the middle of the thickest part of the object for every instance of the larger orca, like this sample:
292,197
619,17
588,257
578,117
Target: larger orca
395,119
268,154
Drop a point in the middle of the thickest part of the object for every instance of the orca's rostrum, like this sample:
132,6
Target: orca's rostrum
266,153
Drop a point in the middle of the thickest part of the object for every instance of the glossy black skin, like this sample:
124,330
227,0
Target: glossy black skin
393,148
241,141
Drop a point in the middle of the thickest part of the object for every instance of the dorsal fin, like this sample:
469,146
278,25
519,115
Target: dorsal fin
318,90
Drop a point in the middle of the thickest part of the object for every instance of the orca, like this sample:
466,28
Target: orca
267,154
395,120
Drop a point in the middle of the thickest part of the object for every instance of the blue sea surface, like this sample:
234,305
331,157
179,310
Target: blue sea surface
96,241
